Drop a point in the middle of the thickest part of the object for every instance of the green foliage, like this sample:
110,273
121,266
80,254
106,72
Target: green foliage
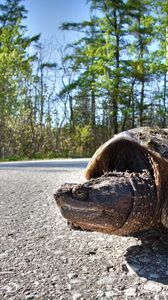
83,138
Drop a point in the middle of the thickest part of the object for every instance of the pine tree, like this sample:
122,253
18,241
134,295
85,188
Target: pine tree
161,60
82,61
11,12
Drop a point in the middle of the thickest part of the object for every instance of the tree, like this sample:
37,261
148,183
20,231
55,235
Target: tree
11,12
98,57
81,64
15,66
141,32
161,61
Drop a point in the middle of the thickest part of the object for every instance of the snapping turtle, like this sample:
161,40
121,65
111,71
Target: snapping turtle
127,187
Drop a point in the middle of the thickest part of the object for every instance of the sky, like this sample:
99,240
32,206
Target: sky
45,17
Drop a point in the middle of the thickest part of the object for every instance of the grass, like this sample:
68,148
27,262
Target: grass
43,157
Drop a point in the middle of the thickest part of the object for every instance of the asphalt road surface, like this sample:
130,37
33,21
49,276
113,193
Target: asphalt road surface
41,258
54,163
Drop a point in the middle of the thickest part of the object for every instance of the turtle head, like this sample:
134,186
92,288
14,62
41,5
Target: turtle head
114,203
98,204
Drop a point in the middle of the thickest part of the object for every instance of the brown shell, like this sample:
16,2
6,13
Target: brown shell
153,140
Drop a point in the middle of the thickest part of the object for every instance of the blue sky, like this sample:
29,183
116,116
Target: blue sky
45,16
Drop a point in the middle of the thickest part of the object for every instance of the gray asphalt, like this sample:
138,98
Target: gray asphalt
41,258
57,163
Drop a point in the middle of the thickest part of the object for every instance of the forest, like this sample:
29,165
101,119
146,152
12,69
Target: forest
112,78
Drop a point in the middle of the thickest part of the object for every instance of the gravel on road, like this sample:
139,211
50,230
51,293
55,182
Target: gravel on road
41,258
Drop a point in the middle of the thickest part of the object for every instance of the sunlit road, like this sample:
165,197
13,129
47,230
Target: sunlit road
42,259
31,251
57,163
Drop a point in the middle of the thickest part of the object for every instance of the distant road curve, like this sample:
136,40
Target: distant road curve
52,163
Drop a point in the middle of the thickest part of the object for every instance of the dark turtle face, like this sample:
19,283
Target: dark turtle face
98,204
107,204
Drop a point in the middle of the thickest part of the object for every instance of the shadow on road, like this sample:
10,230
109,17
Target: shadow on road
150,259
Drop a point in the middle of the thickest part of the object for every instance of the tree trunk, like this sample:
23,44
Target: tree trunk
133,105
165,83
116,84
164,100
93,108
141,106
71,113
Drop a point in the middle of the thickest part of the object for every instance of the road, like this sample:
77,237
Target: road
54,163
41,258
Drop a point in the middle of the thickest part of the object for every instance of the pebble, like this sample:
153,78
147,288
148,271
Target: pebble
11,287
130,291
131,270
76,296
100,294
29,297
151,286
72,275
69,286
85,270
106,280
109,294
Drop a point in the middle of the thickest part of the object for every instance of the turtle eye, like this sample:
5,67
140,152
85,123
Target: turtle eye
80,193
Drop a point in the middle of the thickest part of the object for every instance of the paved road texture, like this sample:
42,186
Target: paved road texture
41,258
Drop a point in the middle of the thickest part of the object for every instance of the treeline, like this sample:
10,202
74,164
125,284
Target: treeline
66,103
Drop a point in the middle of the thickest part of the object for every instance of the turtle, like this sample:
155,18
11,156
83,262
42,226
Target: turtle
126,187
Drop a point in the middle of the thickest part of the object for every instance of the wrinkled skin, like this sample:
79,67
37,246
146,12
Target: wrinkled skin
127,187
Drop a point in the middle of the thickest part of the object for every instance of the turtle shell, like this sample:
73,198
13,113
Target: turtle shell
129,151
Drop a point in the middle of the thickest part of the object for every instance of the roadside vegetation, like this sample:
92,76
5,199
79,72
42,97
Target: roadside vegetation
113,78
